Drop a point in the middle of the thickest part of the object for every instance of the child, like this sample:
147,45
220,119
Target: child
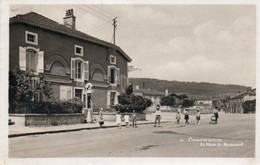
186,117
134,119
118,120
126,118
157,116
100,114
198,116
178,117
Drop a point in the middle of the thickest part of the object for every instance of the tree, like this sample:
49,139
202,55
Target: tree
129,90
249,106
187,103
128,103
167,101
26,87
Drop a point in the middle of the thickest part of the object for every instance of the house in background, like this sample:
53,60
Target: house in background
152,94
235,103
69,58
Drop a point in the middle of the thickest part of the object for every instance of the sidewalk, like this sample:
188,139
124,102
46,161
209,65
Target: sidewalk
19,129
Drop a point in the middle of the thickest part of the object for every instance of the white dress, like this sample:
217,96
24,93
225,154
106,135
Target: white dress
118,119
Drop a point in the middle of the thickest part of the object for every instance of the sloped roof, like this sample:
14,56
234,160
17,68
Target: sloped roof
37,20
252,92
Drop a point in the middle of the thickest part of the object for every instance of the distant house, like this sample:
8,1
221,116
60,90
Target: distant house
203,101
152,94
235,104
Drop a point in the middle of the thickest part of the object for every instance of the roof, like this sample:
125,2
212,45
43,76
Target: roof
37,20
252,92
149,92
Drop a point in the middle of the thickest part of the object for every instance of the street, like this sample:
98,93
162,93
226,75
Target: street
234,136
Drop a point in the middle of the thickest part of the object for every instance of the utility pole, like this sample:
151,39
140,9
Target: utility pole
114,35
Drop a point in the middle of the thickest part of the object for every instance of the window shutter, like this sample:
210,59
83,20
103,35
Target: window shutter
118,76
108,99
40,65
72,68
108,74
22,58
86,70
116,99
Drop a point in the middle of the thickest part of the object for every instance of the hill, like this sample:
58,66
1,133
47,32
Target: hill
192,89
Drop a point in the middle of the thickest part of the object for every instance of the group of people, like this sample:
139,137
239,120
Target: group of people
186,116
157,122
214,117
126,119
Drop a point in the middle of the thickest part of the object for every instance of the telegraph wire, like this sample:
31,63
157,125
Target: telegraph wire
97,27
98,11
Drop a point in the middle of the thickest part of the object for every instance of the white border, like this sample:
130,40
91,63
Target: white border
114,59
4,65
83,91
82,50
33,34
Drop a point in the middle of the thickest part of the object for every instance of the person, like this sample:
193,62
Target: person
134,119
198,116
216,114
126,118
100,114
178,117
118,120
157,116
186,116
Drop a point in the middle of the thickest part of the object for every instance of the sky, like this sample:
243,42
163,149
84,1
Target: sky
198,43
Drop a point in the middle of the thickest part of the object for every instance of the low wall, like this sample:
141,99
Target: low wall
53,119
110,116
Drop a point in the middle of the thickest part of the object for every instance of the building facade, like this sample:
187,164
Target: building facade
69,58
235,104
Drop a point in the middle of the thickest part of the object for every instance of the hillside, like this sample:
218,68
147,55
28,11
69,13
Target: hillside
192,89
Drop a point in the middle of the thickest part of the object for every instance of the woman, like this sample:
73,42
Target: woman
118,120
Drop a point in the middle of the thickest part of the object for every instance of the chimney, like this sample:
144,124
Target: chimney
70,19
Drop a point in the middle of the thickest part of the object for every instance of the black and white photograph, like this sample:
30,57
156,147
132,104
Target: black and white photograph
129,80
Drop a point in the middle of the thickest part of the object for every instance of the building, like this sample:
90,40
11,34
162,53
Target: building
69,58
152,94
235,103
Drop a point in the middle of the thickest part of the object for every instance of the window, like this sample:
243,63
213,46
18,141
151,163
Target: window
78,50
31,38
112,59
65,92
31,60
78,70
112,76
79,93
112,98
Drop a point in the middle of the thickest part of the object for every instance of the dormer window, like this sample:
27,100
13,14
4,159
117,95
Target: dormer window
112,59
31,38
78,50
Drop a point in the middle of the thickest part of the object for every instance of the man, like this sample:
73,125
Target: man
157,116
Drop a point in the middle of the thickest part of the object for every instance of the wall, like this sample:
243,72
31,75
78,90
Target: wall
53,119
57,44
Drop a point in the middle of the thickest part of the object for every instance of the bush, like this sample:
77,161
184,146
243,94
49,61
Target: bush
48,107
128,103
249,106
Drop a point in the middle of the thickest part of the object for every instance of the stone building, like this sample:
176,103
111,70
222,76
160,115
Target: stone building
69,58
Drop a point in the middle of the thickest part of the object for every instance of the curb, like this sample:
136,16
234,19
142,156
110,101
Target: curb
72,130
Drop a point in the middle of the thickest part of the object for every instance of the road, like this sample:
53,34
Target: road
234,136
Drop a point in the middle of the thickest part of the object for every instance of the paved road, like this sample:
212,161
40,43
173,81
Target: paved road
235,133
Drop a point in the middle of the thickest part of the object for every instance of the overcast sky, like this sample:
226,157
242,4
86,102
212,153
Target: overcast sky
201,43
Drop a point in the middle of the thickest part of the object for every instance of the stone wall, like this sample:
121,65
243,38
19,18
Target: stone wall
53,119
